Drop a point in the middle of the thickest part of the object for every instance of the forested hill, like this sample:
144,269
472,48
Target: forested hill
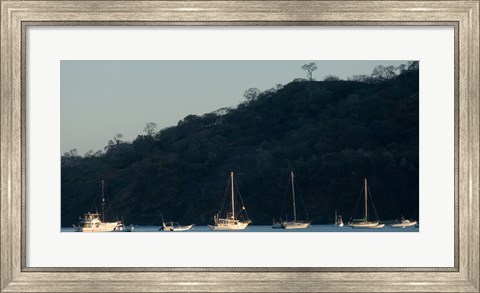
332,134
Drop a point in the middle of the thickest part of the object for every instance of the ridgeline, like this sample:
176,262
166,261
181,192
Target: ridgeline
331,133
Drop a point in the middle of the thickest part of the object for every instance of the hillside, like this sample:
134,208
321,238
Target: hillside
332,134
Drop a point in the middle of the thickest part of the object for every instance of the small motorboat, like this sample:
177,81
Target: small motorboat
338,220
404,224
123,228
175,227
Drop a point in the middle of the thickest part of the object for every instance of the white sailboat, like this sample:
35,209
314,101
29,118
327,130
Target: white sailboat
338,219
231,221
95,222
364,222
295,224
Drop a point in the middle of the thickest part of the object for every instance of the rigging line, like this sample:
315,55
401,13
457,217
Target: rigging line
109,205
373,204
241,200
96,196
301,200
224,196
285,198
357,204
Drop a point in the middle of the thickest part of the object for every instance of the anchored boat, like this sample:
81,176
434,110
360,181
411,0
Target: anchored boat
174,226
232,220
338,219
364,222
404,223
95,222
295,224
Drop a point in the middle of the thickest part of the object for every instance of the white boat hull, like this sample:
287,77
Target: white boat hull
177,229
295,225
102,227
404,224
236,226
367,225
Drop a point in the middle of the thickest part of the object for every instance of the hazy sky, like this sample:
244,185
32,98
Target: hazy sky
102,98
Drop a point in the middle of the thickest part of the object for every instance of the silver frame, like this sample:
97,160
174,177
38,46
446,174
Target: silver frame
16,16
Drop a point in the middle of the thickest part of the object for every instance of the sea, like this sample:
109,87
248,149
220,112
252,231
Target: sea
268,228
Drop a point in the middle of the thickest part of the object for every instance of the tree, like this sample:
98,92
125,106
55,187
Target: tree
412,65
113,143
150,128
331,78
251,94
310,68
71,153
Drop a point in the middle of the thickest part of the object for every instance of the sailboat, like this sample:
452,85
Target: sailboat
95,222
364,222
295,224
338,219
231,221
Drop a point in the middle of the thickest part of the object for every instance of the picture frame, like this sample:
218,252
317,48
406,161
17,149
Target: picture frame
16,16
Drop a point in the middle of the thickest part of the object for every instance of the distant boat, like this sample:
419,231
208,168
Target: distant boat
174,226
277,225
364,222
404,223
231,221
338,219
95,222
295,224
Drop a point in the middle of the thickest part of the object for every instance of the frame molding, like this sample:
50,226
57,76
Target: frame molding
16,15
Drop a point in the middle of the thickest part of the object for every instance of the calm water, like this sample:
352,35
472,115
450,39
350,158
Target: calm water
265,228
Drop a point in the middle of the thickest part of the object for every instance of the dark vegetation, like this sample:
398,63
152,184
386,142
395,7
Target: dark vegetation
331,133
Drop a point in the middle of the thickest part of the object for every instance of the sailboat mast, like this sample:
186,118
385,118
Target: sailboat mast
233,197
103,201
366,204
293,194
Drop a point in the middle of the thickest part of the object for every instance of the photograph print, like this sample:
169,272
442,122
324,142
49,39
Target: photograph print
238,145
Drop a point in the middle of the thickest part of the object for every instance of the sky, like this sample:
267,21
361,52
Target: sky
99,98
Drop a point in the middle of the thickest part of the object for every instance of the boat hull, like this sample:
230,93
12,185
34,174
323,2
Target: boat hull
366,225
224,227
295,225
103,227
177,229
404,224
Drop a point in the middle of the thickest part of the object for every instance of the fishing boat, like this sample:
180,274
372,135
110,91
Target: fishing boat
174,226
295,224
95,222
338,219
404,223
232,220
92,222
364,222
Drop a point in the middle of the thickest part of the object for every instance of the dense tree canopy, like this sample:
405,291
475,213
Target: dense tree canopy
331,133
